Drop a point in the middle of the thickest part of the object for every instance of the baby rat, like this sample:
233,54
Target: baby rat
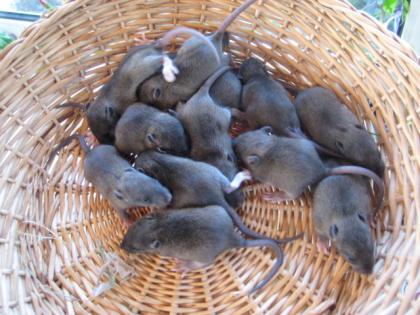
193,184
333,125
143,127
117,180
267,103
290,164
341,210
140,63
208,124
226,90
195,63
194,236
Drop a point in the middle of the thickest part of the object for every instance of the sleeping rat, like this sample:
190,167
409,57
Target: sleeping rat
341,211
195,63
140,63
193,184
194,236
333,125
266,102
208,124
143,127
290,164
117,180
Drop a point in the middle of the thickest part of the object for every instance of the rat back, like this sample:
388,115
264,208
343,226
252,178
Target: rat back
331,124
226,90
291,165
267,103
197,234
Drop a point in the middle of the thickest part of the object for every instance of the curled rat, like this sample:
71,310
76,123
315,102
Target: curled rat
195,63
193,184
207,125
341,210
333,125
194,236
290,164
117,180
140,63
143,127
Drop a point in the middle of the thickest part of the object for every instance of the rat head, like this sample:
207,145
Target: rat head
138,190
357,145
352,238
167,134
142,236
158,92
151,163
252,145
251,67
102,119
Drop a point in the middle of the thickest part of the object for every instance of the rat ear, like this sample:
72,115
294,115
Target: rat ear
172,112
340,146
155,244
267,129
252,159
333,231
156,93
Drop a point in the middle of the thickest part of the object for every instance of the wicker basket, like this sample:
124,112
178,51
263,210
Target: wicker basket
57,233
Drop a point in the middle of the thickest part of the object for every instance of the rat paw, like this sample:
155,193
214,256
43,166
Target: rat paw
322,246
169,70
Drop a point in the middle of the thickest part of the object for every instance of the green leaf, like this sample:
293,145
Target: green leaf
390,6
406,8
5,40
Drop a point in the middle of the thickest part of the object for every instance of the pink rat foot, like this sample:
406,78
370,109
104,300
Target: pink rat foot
276,196
323,246
185,266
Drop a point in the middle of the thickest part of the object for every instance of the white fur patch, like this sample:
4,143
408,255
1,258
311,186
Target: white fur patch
169,70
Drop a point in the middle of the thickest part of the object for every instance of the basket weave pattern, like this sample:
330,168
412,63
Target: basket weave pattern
53,223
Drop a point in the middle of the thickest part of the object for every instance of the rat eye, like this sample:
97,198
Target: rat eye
155,244
352,259
361,217
333,231
359,126
268,130
230,157
156,93
252,159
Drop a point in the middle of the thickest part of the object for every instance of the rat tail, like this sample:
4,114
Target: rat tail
66,142
248,232
182,30
279,259
357,170
233,16
80,106
205,88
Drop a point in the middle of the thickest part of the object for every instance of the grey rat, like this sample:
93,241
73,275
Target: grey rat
143,127
117,180
266,102
341,210
207,125
227,90
290,164
195,63
140,63
194,236
192,184
333,125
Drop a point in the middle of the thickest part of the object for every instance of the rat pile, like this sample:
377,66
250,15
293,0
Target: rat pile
173,114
